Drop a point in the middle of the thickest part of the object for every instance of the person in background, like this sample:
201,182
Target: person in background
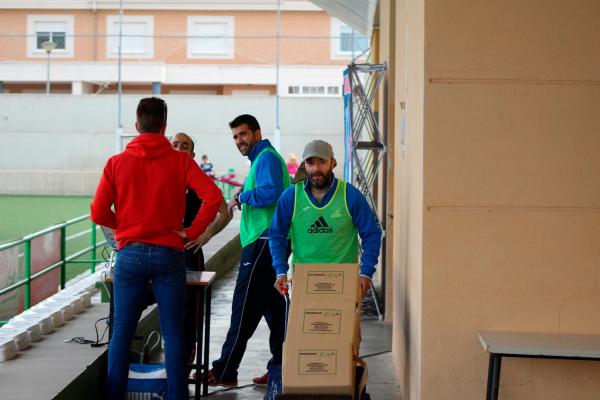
141,195
194,257
292,165
207,167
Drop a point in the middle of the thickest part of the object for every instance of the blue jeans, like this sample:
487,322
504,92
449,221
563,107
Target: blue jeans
134,267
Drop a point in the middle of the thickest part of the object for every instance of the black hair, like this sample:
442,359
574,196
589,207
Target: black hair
247,119
151,114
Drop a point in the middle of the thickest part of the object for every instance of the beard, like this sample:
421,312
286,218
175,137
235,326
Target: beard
321,181
245,149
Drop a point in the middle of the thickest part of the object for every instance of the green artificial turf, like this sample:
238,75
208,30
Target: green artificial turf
23,215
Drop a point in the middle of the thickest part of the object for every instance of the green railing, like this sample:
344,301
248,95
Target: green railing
226,187
73,258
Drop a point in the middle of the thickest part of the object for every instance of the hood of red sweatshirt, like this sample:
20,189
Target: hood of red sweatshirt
149,145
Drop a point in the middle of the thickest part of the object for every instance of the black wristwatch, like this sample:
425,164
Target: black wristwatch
237,200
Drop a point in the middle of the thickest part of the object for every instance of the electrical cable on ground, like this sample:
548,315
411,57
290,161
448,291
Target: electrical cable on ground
230,389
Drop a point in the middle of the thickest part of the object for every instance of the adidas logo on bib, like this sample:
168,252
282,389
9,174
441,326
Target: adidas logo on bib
320,226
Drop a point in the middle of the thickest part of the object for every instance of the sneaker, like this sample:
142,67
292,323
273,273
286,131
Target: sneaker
261,380
213,381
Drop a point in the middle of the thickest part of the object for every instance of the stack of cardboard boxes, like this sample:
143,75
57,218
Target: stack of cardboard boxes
323,335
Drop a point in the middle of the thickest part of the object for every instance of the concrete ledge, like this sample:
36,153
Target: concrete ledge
226,258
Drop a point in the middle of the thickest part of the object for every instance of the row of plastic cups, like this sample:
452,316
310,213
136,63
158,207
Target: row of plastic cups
83,296
17,337
41,319
30,325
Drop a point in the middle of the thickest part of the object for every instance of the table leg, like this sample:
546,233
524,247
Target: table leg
488,393
497,363
208,295
199,325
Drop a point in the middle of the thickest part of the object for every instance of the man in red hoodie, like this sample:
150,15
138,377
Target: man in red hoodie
146,184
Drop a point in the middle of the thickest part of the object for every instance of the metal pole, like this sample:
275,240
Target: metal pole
387,168
93,244
63,255
277,133
119,132
352,44
48,74
27,300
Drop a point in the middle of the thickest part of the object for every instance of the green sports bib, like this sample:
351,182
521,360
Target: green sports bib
323,235
256,220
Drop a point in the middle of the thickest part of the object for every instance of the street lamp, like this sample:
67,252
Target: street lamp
48,46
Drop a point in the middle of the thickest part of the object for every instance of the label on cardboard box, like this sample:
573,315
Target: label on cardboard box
331,282
317,362
325,321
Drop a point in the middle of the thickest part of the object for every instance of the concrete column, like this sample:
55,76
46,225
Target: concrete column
78,88
155,88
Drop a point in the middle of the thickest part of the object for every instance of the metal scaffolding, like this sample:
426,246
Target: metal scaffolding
368,143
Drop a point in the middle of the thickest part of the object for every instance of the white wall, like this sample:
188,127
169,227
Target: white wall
58,144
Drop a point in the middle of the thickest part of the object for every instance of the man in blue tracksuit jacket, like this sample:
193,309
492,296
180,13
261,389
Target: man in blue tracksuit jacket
254,295
321,206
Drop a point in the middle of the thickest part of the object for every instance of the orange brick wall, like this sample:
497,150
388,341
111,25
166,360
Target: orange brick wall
305,36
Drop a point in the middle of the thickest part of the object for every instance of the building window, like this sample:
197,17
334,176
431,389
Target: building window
314,91
45,28
343,46
210,37
58,35
333,90
137,40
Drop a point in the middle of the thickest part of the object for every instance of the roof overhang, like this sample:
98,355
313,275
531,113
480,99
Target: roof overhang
359,14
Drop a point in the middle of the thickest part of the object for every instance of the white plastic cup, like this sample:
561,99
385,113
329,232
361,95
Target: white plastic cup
8,349
78,305
70,297
46,325
87,299
64,306
33,328
20,336
55,315
43,321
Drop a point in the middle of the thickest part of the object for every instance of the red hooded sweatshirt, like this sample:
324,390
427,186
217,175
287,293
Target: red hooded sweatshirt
147,184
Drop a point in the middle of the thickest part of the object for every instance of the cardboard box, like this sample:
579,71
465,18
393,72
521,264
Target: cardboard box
321,318
326,282
311,366
323,334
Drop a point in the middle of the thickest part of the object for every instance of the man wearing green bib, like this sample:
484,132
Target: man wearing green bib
254,295
325,216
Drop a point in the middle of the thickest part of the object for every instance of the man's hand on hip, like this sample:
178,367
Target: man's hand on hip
197,244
